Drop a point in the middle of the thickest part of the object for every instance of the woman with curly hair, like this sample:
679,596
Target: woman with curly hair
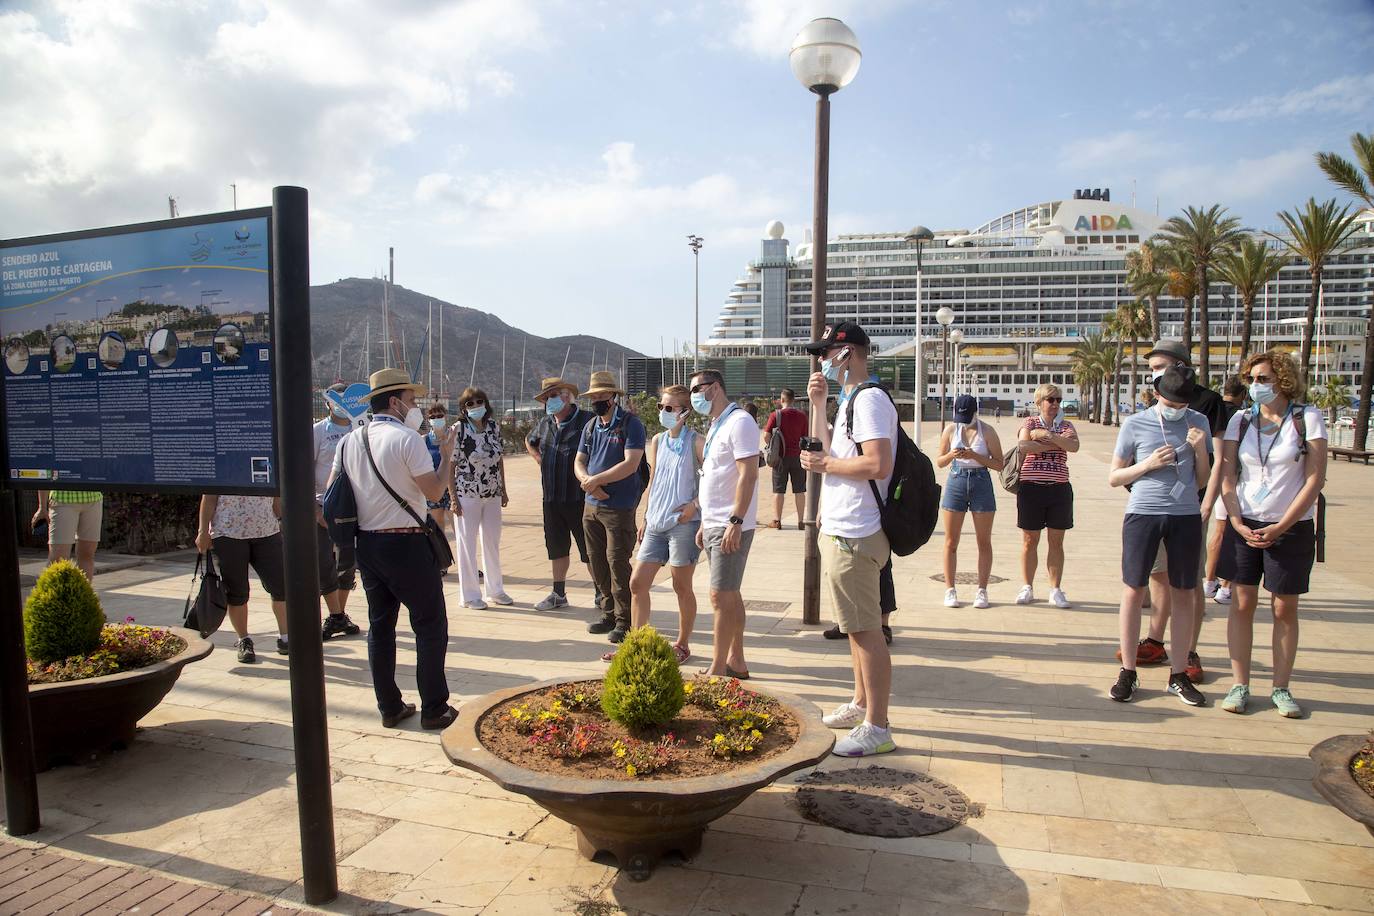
479,490
1273,472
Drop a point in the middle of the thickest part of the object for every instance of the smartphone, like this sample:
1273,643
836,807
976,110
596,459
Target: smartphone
810,444
40,530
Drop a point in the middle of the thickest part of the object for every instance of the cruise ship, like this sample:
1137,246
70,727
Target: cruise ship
1024,288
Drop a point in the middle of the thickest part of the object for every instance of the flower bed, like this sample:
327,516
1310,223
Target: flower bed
563,730
123,647
1362,766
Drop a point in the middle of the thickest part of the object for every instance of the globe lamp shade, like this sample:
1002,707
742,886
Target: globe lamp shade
825,56
945,316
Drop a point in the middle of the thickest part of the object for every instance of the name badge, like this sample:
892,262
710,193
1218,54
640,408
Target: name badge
1259,490
1177,490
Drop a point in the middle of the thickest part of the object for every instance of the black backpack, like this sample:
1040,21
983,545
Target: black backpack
643,473
340,506
912,505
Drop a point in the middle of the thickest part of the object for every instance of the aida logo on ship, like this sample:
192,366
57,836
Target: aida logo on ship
1120,223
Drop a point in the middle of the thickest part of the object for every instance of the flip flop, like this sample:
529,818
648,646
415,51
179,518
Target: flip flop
682,653
737,675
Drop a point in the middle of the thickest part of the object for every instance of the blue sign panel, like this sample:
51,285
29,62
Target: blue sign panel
140,357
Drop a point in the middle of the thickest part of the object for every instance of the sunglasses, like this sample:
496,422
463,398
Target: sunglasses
1054,400
1262,379
671,409
703,385
474,403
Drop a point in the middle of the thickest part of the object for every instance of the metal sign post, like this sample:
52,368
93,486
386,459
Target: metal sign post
16,723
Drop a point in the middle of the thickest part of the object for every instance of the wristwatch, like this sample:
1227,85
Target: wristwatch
736,520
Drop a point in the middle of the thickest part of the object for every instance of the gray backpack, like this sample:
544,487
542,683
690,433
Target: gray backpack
774,450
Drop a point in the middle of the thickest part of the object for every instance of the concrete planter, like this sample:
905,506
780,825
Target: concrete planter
1336,784
72,718
636,822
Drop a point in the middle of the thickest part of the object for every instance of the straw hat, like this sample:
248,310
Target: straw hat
603,383
552,384
384,380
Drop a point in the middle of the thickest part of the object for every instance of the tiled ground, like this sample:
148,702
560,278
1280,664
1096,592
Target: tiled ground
1089,806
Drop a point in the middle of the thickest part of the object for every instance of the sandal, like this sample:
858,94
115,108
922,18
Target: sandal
775,523
737,675
608,656
682,653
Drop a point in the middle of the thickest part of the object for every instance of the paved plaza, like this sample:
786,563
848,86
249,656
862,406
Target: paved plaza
1087,806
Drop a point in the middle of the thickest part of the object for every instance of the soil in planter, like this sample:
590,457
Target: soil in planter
1362,767
692,757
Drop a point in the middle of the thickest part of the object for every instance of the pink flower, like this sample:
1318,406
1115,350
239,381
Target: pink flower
128,620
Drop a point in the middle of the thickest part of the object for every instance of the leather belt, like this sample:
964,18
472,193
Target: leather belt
411,530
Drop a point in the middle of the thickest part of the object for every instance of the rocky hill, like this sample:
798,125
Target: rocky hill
346,313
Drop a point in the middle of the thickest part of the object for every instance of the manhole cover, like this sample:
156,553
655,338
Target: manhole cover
967,578
753,605
881,801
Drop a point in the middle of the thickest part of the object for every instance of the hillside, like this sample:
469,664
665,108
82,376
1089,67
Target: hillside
340,313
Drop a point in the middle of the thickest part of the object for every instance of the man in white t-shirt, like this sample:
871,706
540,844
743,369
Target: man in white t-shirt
854,549
729,504
394,555
336,563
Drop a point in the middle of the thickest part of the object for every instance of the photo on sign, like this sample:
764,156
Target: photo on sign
112,350
16,355
162,346
262,469
63,353
229,343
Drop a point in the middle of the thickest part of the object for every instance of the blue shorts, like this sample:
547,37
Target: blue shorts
969,490
676,547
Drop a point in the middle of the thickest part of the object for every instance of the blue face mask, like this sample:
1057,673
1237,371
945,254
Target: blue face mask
1172,413
668,419
701,404
438,424
1262,393
477,413
554,405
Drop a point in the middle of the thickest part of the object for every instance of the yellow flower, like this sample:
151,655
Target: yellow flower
747,724
688,688
722,703
756,734
718,739
749,747
630,769
714,679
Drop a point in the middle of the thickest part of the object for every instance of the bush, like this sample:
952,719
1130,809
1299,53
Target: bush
63,616
643,687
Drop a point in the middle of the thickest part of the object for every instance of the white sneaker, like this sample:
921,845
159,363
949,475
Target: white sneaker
1025,596
554,600
951,598
1209,587
846,715
1059,599
980,599
502,599
478,605
1223,595
864,741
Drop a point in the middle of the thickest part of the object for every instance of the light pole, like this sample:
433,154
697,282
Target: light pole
956,337
946,317
825,58
694,242
918,236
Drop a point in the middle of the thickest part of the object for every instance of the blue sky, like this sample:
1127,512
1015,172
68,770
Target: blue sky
545,161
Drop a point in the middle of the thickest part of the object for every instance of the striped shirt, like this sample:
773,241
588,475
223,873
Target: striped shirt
74,496
1051,466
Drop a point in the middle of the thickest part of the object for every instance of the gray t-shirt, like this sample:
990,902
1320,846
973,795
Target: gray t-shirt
1157,492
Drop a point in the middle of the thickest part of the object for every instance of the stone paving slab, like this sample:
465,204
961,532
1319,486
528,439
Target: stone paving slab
1087,806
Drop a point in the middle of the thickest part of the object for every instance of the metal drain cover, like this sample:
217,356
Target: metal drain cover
881,801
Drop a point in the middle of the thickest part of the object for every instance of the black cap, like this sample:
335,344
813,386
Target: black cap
1177,384
846,332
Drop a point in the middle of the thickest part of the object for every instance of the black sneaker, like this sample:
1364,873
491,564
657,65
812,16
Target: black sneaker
339,625
887,634
618,634
605,625
1124,688
835,633
283,648
246,654
1181,686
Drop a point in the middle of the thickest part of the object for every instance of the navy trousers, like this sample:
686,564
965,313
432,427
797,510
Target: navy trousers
399,569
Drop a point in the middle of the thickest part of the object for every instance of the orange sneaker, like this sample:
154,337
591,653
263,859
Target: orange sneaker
1148,652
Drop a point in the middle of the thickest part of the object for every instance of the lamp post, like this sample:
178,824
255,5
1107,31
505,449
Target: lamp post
956,337
694,242
918,236
825,58
946,317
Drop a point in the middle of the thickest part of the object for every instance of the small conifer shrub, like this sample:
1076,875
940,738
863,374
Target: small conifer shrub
643,687
63,616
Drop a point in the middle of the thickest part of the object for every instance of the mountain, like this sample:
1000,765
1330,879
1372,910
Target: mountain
340,314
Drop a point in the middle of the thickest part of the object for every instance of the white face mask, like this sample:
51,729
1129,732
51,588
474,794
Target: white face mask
414,417
438,424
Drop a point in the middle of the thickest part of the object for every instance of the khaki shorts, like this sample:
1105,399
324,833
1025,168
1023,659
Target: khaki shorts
72,522
1162,560
852,568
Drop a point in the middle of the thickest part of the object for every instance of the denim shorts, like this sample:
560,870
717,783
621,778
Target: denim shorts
676,547
969,490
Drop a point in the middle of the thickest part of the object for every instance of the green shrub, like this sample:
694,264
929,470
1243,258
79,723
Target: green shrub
62,617
643,687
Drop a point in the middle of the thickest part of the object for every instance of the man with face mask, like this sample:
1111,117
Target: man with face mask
553,446
607,468
1169,354
336,563
394,554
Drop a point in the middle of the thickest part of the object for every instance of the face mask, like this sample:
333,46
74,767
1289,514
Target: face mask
1262,393
1156,374
601,408
340,413
701,404
414,417
832,371
477,413
554,405
438,424
668,419
1172,413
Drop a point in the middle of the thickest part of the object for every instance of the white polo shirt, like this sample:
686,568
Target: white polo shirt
401,456
327,436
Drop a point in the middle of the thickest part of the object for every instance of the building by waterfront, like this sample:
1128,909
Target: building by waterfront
1024,288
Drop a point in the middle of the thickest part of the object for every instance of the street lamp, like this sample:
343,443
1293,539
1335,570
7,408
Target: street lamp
956,337
918,236
694,242
825,58
946,317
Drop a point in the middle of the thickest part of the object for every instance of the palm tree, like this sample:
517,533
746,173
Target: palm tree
1146,278
1249,269
1129,322
1181,284
1331,397
1357,179
1206,235
1313,233
1091,362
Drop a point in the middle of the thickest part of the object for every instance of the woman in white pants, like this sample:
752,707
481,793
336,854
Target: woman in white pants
479,491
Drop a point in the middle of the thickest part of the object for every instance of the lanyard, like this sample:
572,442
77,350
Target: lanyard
1178,449
1259,440
715,428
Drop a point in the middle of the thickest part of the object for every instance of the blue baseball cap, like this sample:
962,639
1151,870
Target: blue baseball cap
965,406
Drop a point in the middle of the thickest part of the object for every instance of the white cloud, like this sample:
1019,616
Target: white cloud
1234,183
1345,95
1113,149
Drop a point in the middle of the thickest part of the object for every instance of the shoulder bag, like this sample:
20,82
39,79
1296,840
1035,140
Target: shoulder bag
773,452
208,603
438,541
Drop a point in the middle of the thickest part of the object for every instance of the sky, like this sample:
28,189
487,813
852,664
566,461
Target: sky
546,161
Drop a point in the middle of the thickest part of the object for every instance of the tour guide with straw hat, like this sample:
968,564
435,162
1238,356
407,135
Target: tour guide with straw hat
553,445
394,556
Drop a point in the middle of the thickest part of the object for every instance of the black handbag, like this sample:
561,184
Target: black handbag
208,602
438,541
